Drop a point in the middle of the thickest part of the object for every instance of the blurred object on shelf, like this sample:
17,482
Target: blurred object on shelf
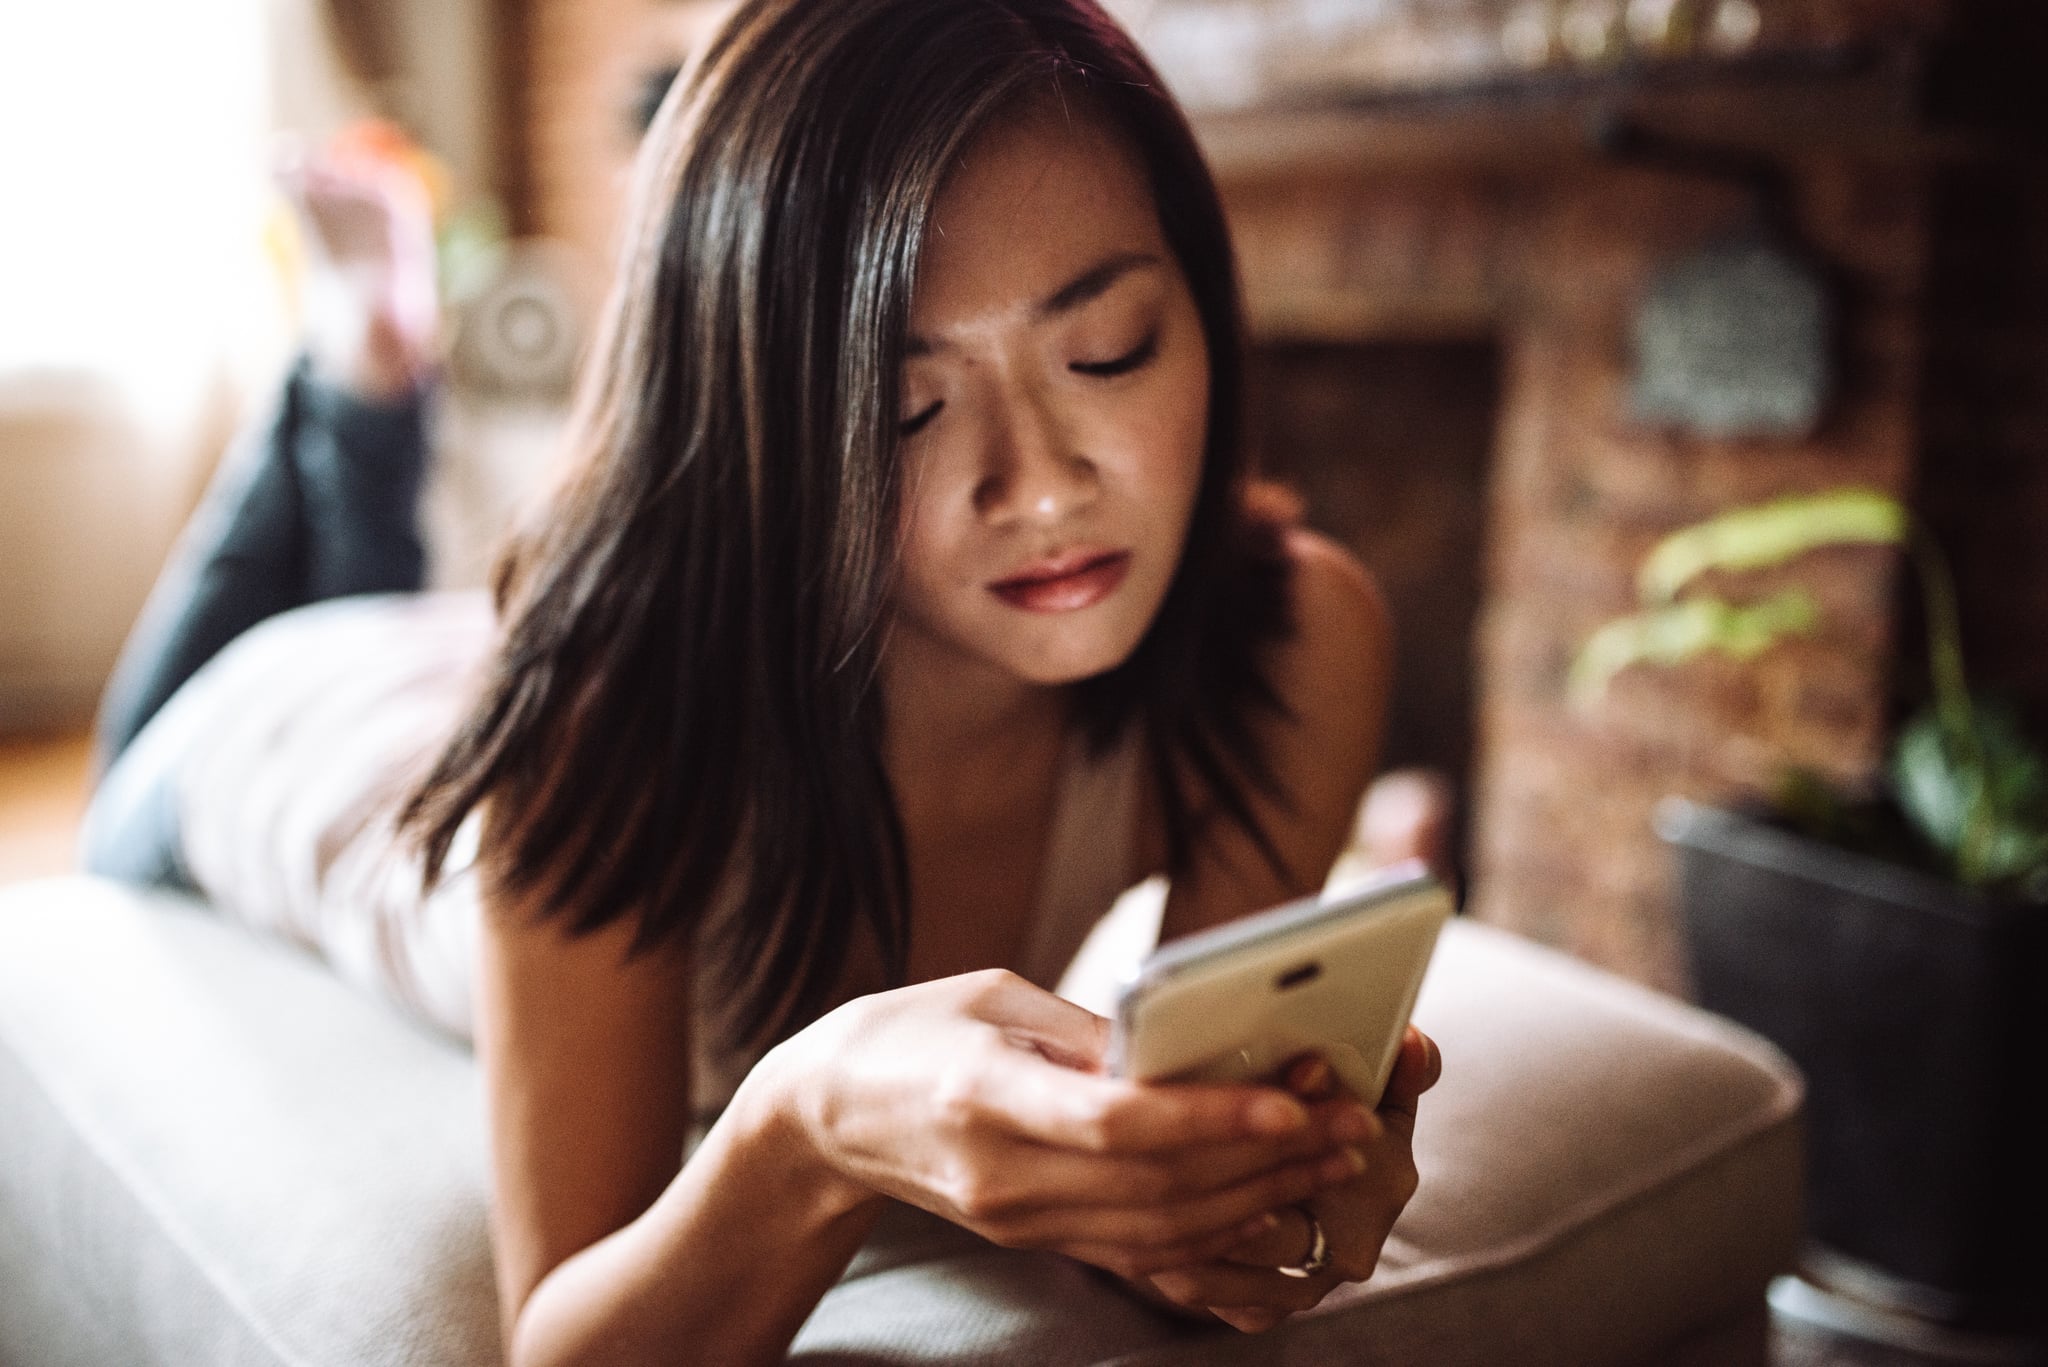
1232,54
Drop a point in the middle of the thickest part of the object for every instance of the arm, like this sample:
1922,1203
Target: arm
967,1096
607,1249
1333,676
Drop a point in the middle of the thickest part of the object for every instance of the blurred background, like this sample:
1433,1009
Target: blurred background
1530,284
1462,224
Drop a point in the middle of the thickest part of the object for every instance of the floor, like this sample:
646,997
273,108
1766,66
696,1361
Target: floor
43,783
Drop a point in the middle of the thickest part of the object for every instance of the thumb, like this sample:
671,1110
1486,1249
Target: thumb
1033,1018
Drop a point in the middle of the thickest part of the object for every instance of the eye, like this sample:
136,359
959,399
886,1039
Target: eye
917,422
1121,365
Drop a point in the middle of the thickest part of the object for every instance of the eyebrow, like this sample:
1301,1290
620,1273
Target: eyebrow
1084,288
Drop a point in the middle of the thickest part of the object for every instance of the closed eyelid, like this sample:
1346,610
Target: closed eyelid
1130,359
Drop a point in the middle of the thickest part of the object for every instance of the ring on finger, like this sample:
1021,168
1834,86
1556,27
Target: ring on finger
1318,1256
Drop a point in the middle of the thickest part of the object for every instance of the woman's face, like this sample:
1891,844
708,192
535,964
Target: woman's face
1055,404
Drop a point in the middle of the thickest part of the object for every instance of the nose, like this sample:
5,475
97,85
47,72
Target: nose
1034,470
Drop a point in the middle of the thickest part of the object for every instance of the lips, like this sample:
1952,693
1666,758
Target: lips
1064,583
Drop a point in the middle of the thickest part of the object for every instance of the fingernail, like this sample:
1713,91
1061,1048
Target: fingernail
1342,1165
1355,1125
1276,1115
1312,1076
1259,1224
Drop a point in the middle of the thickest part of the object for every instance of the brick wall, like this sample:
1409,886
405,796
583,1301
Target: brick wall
1551,260
1565,850
581,68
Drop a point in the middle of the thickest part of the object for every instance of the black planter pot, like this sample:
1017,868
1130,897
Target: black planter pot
1920,1016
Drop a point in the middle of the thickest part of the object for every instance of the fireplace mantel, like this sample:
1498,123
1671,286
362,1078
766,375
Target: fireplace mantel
1221,55
1869,112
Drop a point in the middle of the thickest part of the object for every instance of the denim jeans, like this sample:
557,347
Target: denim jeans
319,500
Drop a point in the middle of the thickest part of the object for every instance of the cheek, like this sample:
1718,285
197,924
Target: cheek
913,546
925,547
1181,438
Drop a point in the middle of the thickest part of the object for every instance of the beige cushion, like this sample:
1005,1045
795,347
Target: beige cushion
213,1150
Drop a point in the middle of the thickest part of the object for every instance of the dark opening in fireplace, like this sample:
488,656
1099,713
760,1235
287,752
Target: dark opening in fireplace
1390,444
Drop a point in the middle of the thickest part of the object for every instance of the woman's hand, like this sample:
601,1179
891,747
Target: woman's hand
981,1098
1242,1286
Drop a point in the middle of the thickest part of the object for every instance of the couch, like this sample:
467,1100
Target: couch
212,1151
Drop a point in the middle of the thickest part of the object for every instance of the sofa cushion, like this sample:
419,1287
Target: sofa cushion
213,1150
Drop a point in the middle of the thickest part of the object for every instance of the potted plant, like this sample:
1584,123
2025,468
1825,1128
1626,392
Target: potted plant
1893,941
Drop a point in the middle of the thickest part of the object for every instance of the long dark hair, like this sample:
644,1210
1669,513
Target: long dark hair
683,724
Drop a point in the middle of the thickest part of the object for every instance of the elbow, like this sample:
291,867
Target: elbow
534,1336
528,1345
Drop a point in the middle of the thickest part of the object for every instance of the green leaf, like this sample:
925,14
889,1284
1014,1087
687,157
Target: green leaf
1677,632
1985,807
1770,534
1934,791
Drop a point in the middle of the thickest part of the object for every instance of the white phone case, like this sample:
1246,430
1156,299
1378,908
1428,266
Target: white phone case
1337,975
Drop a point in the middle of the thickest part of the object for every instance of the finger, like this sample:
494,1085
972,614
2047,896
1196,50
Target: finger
1068,1177
1416,1070
1249,1321
1432,1063
1335,1129
1225,1286
1287,1242
1156,1228
1126,1261
1041,1100
1044,1179
1112,1113
1310,1078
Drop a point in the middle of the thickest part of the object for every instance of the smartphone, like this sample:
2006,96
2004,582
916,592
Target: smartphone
1335,975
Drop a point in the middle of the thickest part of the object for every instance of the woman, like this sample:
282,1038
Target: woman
905,591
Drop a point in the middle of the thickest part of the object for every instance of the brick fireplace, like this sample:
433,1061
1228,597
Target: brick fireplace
1441,282
1536,267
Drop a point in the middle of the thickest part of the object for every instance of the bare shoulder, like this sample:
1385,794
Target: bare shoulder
1335,667
1331,675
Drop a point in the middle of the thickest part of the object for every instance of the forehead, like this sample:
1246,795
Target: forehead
1036,199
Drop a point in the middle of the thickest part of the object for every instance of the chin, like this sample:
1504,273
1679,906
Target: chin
1074,661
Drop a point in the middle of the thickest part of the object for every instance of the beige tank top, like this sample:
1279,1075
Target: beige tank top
295,745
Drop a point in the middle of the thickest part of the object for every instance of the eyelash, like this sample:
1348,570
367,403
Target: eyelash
1131,360
1122,365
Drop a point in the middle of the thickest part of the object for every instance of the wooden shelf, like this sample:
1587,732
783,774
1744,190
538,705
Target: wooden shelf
1864,107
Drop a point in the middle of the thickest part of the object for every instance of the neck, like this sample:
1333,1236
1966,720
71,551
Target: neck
942,711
